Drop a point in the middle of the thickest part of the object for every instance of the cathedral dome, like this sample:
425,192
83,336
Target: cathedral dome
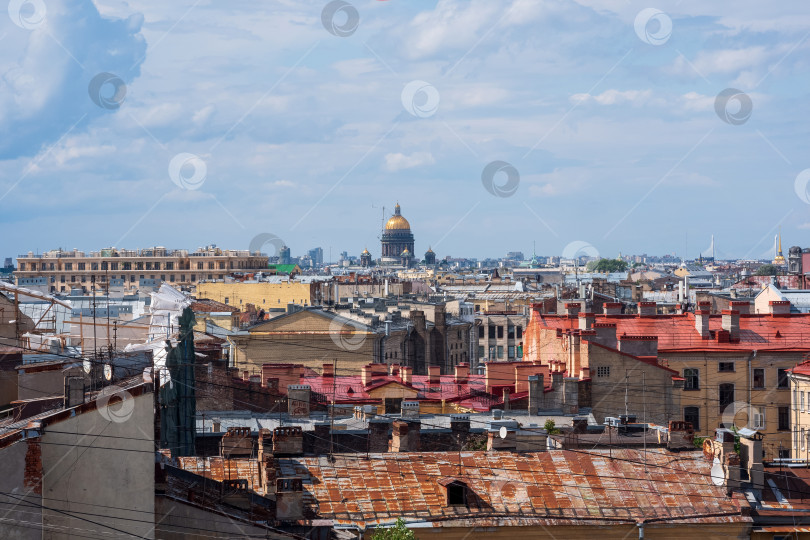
397,222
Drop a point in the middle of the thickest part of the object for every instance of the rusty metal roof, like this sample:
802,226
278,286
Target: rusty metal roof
542,488
220,469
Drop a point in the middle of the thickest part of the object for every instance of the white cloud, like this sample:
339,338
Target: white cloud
398,161
615,97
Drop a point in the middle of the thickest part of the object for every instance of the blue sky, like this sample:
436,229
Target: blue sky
606,112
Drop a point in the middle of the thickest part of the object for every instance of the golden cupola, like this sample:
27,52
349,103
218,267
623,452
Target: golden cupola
397,222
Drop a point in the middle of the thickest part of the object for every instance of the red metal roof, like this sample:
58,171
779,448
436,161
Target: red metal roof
557,487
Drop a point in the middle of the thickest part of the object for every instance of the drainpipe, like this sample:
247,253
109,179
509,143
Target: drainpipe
640,526
751,358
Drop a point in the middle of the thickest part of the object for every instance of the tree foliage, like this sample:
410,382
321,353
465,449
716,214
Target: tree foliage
398,532
766,270
549,427
607,265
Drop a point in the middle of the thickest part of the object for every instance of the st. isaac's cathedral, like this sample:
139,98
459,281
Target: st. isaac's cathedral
397,240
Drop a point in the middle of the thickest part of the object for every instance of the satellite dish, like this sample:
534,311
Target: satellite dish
718,476
107,371
503,431
86,366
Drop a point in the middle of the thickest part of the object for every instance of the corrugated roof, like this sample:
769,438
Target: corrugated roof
542,488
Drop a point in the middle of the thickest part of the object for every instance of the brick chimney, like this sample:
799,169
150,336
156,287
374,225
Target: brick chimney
406,374
462,373
647,309
572,309
612,308
434,374
605,334
393,370
731,324
378,434
406,436
639,345
702,323
536,385
742,306
289,499
779,307
460,426
298,400
506,399
288,441
586,320
410,409
328,370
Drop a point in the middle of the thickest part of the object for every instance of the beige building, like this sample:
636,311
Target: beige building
129,270
266,294
800,410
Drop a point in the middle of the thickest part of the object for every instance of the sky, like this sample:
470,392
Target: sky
579,127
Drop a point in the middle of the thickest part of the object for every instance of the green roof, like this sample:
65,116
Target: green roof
283,268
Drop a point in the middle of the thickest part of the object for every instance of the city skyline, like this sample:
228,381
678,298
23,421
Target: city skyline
136,131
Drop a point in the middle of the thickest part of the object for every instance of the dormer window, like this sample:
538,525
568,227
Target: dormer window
456,491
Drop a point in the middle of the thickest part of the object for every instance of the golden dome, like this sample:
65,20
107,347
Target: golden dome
397,222
365,252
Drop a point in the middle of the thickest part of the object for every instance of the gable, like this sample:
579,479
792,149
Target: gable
392,389
310,321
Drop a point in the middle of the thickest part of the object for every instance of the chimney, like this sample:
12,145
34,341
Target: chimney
298,399
779,308
462,373
405,436
605,334
393,370
535,393
647,309
289,499
572,309
366,374
612,308
586,320
378,434
238,441
418,320
744,308
328,370
570,395
406,374
506,399
731,324
556,380
460,428
410,409
639,345
704,306
702,323
434,374
288,441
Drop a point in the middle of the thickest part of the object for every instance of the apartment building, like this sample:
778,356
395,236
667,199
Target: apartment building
800,410
130,270
500,335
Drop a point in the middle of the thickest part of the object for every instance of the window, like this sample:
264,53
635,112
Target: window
500,351
491,332
519,332
781,378
68,266
801,408
692,415
691,376
481,332
759,378
759,420
784,418
510,351
481,353
726,395
80,265
500,332
802,438
169,266
94,266
210,266
510,332
456,494
603,371
114,266
725,366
